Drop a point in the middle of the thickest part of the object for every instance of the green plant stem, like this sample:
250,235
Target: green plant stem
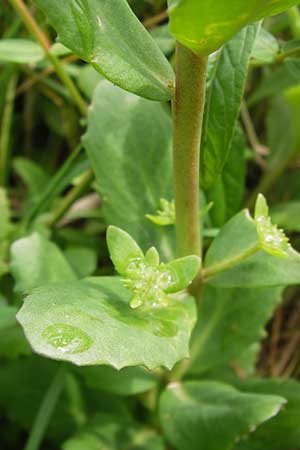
282,56
6,128
294,15
71,197
46,410
278,59
214,269
35,30
188,108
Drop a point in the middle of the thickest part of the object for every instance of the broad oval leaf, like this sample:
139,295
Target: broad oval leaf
205,25
90,322
128,142
35,261
207,415
109,36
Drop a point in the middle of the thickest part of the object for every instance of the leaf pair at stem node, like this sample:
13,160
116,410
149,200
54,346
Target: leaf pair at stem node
150,281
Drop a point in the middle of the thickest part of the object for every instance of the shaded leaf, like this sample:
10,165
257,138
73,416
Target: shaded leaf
132,162
212,416
114,433
281,432
224,331
35,261
12,339
128,381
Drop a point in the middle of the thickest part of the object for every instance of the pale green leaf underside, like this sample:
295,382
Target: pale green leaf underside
128,142
208,415
205,25
109,36
91,322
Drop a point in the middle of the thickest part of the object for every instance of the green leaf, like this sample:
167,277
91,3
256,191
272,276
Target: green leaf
128,381
164,39
273,83
109,36
266,47
36,261
91,322
279,132
20,51
34,176
206,26
149,281
83,260
281,432
208,415
12,340
224,96
227,192
287,215
122,249
32,377
260,270
88,79
183,271
131,184
106,431
224,331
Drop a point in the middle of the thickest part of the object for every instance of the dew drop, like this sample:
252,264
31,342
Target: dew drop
67,338
269,238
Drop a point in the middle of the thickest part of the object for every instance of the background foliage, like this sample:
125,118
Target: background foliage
78,153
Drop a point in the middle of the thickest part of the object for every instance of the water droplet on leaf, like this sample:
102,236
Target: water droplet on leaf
67,338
